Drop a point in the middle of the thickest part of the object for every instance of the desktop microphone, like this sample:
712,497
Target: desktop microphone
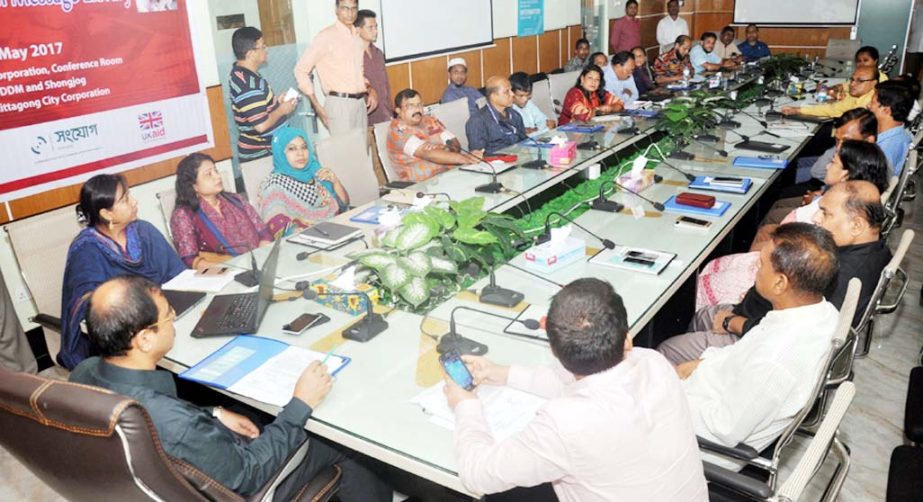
492,294
362,331
602,203
421,195
547,235
538,163
454,342
727,122
494,186
760,146
689,177
719,151
657,205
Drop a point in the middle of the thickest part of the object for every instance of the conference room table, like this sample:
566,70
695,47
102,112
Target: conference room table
369,409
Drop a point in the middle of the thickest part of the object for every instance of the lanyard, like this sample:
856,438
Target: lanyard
505,131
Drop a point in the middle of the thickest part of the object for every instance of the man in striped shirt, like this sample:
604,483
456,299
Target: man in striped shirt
257,110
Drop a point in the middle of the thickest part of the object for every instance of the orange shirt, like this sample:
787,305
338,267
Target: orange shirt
337,53
404,140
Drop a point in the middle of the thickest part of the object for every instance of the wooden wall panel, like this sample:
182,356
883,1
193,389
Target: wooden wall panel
525,54
566,50
398,77
712,21
430,77
59,197
497,59
549,51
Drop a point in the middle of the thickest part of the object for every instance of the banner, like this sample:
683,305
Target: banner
95,85
531,17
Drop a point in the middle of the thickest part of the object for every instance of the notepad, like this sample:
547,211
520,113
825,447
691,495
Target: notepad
642,260
720,207
708,183
324,234
259,368
191,280
761,163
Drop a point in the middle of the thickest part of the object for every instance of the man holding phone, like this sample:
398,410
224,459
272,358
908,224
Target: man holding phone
615,427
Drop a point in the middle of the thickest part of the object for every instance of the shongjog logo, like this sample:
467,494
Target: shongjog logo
151,126
39,145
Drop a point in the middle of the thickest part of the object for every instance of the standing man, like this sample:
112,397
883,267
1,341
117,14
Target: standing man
375,74
581,56
337,54
619,79
458,77
670,27
752,48
670,65
726,48
703,57
257,110
626,30
496,126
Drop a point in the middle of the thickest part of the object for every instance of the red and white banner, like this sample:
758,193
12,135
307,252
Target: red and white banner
90,86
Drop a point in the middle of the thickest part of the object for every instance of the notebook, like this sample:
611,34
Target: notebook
708,183
580,128
761,163
646,261
671,206
325,234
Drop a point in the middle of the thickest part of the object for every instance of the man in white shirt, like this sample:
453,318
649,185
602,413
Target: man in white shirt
615,427
619,79
670,27
726,46
748,392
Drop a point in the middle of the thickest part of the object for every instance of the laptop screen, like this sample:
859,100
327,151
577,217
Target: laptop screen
267,281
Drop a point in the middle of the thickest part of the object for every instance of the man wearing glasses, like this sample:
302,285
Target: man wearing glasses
861,90
337,53
495,126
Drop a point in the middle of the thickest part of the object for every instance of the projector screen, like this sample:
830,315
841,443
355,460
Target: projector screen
419,28
795,11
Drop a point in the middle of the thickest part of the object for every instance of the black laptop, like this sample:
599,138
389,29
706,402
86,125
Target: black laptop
240,313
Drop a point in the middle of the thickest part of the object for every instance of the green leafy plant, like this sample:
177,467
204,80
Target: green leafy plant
780,66
437,251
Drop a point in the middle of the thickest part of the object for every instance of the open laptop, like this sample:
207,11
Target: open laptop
240,313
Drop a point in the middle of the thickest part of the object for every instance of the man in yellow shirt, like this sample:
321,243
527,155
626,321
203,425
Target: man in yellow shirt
861,88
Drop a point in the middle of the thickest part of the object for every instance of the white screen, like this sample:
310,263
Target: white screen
416,28
795,11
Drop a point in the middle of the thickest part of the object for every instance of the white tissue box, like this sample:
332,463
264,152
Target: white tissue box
550,256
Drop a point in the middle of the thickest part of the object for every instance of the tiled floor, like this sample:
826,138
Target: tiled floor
871,429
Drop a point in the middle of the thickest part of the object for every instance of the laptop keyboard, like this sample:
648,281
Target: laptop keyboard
240,313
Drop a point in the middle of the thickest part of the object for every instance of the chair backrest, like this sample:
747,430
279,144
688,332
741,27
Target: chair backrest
381,143
891,270
58,429
347,155
253,173
842,48
167,199
541,96
454,115
560,84
40,246
886,195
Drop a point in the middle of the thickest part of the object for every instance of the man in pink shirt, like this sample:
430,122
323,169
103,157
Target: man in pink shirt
337,54
615,427
626,31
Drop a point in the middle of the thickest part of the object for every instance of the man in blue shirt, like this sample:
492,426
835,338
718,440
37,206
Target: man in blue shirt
535,121
703,56
619,79
891,103
751,48
458,76
495,126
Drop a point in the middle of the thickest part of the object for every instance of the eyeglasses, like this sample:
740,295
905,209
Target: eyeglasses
861,80
171,316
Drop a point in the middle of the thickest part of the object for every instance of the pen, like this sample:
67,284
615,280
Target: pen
321,231
329,353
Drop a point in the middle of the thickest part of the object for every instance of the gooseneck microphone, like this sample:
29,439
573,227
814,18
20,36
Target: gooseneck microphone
689,177
547,235
420,195
602,203
657,205
363,330
719,151
492,294
494,186
456,343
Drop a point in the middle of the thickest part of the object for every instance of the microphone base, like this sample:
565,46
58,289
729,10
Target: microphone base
495,295
729,124
682,155
495,187
609,206
367,328
460,345
535,164
773,115
708,137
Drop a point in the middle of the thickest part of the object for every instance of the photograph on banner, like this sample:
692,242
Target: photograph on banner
73,103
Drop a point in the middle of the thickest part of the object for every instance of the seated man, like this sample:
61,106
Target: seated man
419,146
581,56
748,392
615,427
752,48
458,77
644,78
599,59
726,47
131,322
861,88
619,77
852,212
704,58
891,103
497,125
533,118
670,65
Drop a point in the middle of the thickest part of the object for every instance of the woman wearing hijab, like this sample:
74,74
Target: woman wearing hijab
298,190
115,242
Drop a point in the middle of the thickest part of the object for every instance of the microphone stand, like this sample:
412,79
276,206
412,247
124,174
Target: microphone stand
719,151
452,342
657,205
492,294
420,195
538,163
541,239
363,330
494,186
688,176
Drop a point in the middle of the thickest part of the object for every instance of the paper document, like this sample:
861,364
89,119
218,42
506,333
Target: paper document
274,381
190,280
506,410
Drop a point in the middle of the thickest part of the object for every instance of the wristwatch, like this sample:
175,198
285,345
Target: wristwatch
725,325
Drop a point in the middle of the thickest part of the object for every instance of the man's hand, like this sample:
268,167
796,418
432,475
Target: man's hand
313,384
486,371
809,197
429,146
287,107
717,323
684,370
551,123
790,110
455,394
238,423
372,102
479,154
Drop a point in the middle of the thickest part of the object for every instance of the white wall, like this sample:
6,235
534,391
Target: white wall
221,40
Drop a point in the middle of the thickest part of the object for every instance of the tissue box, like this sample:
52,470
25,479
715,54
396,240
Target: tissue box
352,304
548,257
563,154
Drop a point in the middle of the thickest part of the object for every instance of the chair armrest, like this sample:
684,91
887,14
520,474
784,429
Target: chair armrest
47,321
891,307
740,452
736,481
322,487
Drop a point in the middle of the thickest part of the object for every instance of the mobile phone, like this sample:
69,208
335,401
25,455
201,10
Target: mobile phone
767,156
456,369
303,322
689,222
642,256
726,180
638,261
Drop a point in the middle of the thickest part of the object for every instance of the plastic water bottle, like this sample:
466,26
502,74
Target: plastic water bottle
685,77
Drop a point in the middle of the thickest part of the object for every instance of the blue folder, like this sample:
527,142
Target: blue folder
702,183
717,210
371,215
532,143
581,128
759,163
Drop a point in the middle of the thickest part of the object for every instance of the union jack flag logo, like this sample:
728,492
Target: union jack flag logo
150,121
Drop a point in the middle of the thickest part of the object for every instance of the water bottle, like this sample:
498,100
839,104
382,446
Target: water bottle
685,76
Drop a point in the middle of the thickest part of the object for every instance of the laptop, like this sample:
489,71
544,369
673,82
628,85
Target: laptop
237,314
183,301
